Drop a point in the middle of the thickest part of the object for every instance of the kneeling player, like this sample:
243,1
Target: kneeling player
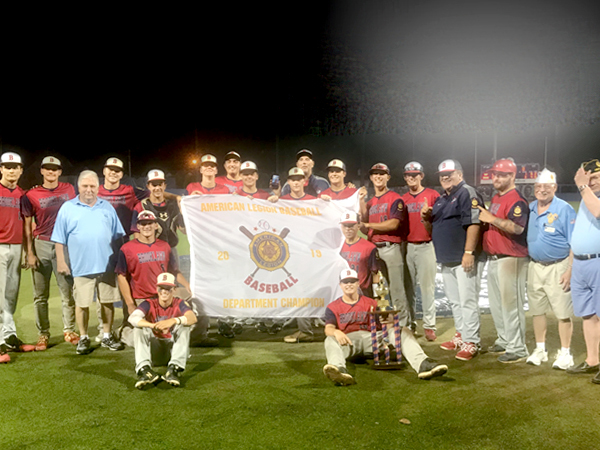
347,330
162,330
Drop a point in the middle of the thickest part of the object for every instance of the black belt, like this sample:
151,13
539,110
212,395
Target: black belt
495,257
549,263
384,244
419,243
586,257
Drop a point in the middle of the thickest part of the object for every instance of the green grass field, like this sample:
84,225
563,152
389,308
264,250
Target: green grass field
256,392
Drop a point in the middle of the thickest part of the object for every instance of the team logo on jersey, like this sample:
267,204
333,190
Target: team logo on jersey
474,203
552,217
517,212
400,206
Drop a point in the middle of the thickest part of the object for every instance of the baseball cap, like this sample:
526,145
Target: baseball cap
336,164
248,166
304,152
10,158
380,167
592,166
165,279
349,217
51,161
296,172
156,174
504,166
233,155
114,162
449,165
147,216
208,159
546,176
413,167
348,274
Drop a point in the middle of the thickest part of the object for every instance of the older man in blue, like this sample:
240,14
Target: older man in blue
585,280
89,228
551,222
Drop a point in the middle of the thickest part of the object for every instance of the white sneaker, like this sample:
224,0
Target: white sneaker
538,356
563,361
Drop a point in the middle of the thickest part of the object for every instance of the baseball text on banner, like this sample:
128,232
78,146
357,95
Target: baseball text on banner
253,258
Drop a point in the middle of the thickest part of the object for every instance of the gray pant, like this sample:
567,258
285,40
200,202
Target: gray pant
10,278
462,290
507,278
46,255
361,345
392,256
149,348
420,259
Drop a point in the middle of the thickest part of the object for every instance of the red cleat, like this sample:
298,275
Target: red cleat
454,344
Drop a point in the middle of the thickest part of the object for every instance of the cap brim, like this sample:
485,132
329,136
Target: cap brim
413,171
165,284
348,222
348,279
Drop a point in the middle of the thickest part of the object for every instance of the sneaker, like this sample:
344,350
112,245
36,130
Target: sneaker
98,338
172,375
510,358
4,356
430,369
496,349
430,335
71,337
563,361
584,367
454,344
225,330
42,343
467,352
339,375
112,344
538,356
84,346
298,336
146,376
14,344
274,329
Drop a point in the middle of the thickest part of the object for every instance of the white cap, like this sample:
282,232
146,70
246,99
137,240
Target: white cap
114,162
449,165
165,279
296,172
208,159
248,166
156,174
10,158
51,161
336,163
348,274
546,176
146,215
349,217
413,167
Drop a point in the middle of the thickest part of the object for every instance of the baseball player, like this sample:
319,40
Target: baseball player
232,180
505,242
348,335
162,331
313,185
420,255
11,239
249,174
360,253
384,216
41,204
551,222
338,189
208,185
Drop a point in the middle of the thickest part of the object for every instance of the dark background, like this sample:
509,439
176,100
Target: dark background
362,81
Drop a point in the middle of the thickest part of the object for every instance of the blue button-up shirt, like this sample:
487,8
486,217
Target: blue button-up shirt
549,233
586,234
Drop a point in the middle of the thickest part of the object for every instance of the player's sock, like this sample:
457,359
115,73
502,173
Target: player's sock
84,336
565,350
541,346
106,335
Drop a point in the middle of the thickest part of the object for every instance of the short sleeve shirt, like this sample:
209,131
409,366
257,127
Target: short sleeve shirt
512,206
218,189
123,199
385,207
349,318
154,312
549,234
361,257
586,234
258,194
414,204
43,204
313,186
232,185
347,192
11,220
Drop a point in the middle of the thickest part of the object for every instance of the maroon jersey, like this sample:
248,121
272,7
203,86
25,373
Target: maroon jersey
154,312
362,257
258,194
11,221
289,197
349,318
143,263
123,199
232,185
43,204
218,189
385,207
414,204
514,207
338,195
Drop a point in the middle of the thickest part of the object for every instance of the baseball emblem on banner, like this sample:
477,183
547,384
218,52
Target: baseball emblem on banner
269,251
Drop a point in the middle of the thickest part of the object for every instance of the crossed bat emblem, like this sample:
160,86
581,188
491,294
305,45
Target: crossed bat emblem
269,251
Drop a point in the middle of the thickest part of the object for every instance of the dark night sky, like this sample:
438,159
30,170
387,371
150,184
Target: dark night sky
89,83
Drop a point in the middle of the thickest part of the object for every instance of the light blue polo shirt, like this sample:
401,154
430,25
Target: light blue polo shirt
586,235
88,233
549,234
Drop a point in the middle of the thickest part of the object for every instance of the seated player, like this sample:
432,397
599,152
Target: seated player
348,335
162,329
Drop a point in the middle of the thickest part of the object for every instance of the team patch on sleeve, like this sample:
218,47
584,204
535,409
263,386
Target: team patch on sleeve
474,203
517,211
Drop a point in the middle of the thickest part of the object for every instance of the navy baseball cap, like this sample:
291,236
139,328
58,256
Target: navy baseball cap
304,152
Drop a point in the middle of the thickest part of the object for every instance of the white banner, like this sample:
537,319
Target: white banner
253,258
